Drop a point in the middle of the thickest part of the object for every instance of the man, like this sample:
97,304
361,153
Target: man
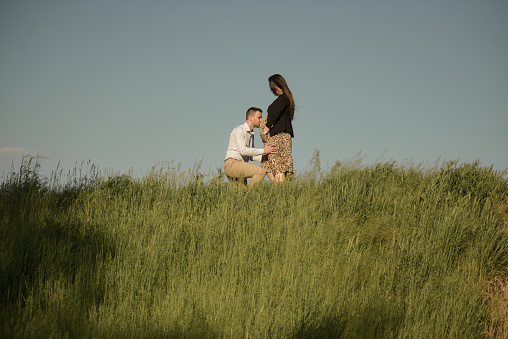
241,150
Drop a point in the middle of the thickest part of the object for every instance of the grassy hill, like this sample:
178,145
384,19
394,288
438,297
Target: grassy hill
355,251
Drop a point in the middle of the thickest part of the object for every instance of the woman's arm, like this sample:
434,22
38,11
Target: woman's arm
263,130
276,109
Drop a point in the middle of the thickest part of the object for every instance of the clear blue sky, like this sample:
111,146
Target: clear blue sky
128,84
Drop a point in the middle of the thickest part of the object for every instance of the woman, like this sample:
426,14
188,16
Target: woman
276,129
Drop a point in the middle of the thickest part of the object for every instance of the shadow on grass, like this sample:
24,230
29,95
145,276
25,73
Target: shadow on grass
40,252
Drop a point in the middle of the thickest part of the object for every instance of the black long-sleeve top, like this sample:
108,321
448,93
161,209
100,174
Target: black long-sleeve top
279,117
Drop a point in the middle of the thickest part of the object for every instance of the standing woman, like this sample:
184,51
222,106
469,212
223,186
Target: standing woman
276,129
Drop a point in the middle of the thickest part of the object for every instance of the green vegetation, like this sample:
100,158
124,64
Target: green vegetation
355,251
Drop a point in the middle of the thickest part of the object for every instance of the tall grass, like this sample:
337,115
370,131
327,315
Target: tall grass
355,252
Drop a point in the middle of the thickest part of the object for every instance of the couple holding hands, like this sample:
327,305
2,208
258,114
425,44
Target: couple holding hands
276,132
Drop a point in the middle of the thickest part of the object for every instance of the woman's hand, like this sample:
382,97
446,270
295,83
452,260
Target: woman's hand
263,136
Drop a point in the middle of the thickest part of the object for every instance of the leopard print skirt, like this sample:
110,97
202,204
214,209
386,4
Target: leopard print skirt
282,161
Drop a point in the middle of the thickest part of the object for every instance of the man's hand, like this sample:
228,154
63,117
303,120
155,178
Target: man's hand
269,149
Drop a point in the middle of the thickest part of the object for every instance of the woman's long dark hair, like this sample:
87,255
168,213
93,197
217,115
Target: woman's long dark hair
279,81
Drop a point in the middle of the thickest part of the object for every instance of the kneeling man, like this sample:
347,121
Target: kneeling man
241,150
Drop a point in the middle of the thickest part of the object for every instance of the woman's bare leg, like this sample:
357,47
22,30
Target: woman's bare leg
270,176
279,177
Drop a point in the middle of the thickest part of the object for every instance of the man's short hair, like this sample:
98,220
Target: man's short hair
251,111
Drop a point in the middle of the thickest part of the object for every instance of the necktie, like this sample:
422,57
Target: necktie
251,139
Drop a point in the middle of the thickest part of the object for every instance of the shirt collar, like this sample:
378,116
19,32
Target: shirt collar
247,128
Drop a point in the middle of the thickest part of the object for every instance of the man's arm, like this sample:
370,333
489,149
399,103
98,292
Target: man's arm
256,158
268,149
238,136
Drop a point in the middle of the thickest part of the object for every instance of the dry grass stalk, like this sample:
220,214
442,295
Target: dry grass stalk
497,294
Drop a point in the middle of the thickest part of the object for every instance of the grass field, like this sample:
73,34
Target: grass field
380,251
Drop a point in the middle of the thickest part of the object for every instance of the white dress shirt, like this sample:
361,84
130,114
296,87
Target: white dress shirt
241,145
